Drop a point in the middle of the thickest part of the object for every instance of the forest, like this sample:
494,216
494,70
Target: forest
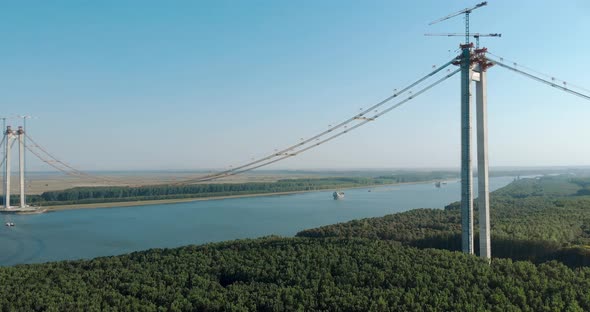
375,264
542,219
295,274
104,194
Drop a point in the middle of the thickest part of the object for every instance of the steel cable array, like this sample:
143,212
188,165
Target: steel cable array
4,158
319,138
553,78
3,151
539,79
58,164
291,151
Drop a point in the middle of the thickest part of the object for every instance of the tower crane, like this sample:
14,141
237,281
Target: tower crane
465,11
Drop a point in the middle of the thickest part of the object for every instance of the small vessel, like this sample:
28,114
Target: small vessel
9,223
338,195
437,183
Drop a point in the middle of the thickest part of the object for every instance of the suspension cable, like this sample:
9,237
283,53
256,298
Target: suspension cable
4,158
69,170
3,151
53,157
51,163
284,151
54,164
584,96
295,153
553,78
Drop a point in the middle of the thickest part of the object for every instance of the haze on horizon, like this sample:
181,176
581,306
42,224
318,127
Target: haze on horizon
208,84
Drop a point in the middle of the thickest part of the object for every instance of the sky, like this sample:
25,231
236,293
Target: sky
185,85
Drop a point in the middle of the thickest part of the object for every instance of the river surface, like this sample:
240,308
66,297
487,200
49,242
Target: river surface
89,233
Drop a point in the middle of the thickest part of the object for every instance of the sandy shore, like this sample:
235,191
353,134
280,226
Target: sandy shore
184,200
162,201
38,183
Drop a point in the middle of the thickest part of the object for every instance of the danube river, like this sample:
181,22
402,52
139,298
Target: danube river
89,233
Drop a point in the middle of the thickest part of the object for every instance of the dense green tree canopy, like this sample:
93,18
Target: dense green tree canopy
294,274
531,219
362,265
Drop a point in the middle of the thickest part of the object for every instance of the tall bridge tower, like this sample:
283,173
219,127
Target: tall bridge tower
473,65
21,164
9,137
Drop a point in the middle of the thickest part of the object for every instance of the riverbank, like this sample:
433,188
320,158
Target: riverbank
163,201
185,200
88,233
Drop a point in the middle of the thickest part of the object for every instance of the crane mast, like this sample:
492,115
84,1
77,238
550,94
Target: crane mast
465,11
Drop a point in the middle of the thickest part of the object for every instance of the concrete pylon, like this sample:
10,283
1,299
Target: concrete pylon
7,135
466,173
21,165
483,203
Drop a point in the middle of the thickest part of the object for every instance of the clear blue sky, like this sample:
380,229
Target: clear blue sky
120,85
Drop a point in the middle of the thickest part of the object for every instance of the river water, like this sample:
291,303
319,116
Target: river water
89,233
